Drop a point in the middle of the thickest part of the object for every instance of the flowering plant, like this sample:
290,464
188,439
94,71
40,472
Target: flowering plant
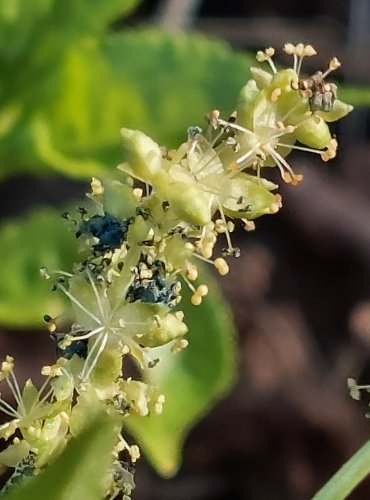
141,239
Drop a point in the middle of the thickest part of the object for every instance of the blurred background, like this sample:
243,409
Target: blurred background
299,293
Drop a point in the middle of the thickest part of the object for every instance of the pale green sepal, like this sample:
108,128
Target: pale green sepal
339,110
190,203
14,453
314,133
52,439
261,77
255,198
163,330
245,103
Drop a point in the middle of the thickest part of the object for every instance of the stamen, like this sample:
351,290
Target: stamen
289,176
236,127
333,65
299,66
97,296
266,56
41,390
300,148
88,335
247,155
204,259
189,284
227,233
8,409
43,399
221,266
14,387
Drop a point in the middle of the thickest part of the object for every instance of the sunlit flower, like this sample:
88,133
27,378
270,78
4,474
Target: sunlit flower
111,322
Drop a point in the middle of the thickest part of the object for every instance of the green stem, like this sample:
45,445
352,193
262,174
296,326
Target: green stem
348,477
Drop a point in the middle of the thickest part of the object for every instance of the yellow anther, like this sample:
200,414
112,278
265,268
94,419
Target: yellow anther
249,225
294,84
299,50
275,94
334,64
331,150
230,226
138,193
196,299
7,366
189,246
221,266
289,48
309,51
179,345
220,226
207,251
134,453
261,56
96,187
191,271
202,290
264,55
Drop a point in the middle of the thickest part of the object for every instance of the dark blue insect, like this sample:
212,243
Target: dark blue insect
25,468
78,347
152,291
110,231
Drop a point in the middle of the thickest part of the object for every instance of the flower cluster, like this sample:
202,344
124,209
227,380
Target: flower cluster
141,239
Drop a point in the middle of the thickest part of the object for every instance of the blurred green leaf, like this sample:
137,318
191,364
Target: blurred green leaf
192,381
355,95
42,239
85,87
79,472
148,80
34,39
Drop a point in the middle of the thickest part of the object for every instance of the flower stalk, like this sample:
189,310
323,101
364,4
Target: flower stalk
348,477
141,238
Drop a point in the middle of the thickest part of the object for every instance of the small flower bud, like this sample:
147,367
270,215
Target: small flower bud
142,154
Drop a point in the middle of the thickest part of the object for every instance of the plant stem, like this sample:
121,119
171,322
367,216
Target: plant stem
348,477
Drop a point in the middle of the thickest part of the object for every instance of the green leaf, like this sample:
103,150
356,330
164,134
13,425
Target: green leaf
192,380
356,95
40,240
179,78
149,80
79,473
34,40
69,119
